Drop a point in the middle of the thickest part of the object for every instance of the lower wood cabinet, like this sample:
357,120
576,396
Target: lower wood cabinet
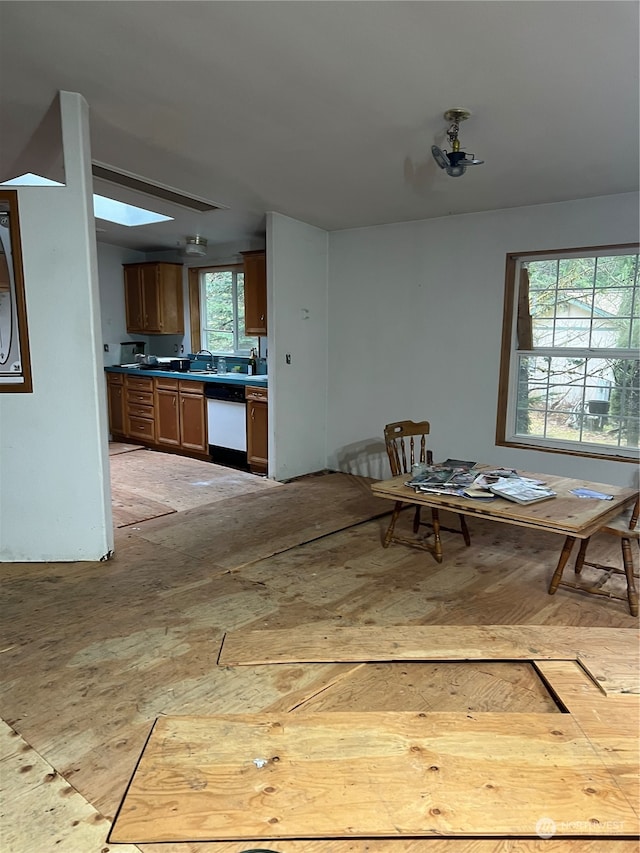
158,412
115,402
257,429
193,422
140,421
180,414
168,416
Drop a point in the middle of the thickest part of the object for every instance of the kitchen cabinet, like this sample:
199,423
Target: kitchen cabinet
153,298
139,409
180,414
255,292
257,429
168,412
115,402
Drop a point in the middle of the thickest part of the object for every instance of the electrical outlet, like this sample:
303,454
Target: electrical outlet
106,347
175,347
287,358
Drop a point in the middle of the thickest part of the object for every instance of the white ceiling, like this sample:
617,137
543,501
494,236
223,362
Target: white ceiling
326,111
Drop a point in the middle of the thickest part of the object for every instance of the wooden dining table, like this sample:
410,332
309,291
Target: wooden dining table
566,514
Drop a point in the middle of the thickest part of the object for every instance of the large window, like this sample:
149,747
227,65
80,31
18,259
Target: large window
221,292
570,372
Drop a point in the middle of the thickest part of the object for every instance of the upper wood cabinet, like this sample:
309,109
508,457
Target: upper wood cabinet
153,298
255,292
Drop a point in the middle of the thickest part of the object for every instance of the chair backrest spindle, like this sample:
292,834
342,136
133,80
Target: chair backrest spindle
403,447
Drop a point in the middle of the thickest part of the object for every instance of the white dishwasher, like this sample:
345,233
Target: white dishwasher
227,423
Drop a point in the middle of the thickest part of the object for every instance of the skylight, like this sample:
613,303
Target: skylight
103,207
124,214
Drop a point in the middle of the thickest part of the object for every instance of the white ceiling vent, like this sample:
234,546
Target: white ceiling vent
134,182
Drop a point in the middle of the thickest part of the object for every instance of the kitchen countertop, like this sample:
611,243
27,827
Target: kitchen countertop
225,378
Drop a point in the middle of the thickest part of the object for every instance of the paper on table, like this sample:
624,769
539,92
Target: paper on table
589,493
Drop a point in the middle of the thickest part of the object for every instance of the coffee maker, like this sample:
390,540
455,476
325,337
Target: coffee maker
130,349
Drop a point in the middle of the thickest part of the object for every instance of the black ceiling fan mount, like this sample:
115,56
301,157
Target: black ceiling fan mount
454,162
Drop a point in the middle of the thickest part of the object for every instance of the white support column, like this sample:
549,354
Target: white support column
55,498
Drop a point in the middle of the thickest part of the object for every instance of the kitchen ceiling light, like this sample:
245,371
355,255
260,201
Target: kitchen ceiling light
195,246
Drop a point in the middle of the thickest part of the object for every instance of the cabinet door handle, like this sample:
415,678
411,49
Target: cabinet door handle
253,414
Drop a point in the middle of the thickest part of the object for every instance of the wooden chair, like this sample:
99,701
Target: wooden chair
406,443
625,528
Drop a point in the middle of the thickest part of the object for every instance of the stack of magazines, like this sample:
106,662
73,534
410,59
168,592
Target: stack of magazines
456,477
448,478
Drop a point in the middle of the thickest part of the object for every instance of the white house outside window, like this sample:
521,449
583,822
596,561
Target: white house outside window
222,311
570,373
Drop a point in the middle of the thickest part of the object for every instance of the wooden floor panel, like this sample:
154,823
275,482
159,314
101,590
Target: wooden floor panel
512,687
371,774
92,653
611,723
117,447
40,810
241,531
179,482
129,508
309,644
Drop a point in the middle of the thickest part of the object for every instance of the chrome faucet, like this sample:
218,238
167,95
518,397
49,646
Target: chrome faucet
210,354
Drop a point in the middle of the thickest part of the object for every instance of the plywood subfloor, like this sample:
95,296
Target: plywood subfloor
148,484
499,686
507,780
423,642
256,777
128,508
117,447
52,814
245,529
92,653
611,723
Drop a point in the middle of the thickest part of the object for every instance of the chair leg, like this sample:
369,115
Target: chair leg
562,562
582,553
416,520
437,542
464,530
394,517
627,562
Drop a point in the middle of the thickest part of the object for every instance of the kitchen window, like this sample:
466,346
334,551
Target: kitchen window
570,366
220,300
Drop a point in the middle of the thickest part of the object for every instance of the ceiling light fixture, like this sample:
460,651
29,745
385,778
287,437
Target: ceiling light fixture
454,162
195,246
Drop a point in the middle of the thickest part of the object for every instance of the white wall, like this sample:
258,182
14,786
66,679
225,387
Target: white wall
112,310
415,324
54,484
297,326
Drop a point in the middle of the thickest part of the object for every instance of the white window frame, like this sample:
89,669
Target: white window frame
237,333
506,433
